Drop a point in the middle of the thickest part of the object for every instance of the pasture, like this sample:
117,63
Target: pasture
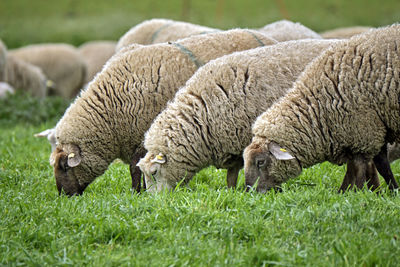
204,223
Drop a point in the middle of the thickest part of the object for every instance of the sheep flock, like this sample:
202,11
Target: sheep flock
170,98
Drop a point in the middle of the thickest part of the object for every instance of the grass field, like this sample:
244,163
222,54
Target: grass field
203,224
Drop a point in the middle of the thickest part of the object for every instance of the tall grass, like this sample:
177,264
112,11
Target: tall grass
205,223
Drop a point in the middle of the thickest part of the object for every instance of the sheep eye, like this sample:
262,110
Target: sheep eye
153,172
260,163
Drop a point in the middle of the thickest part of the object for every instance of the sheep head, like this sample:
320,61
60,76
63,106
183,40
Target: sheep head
66,160
267,165
160,172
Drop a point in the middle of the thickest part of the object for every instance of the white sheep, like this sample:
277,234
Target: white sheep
108,120
26,77
344,108
20,75
61,63
96,54
285,30
159,31
209,121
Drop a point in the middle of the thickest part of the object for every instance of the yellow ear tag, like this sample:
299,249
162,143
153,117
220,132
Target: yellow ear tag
159,157
283,150
49,83
71,155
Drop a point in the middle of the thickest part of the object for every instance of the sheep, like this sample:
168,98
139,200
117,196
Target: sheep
345,32
61,63
343,108
108,120
160,30
17,74
209,120
285,30
27,77
96,54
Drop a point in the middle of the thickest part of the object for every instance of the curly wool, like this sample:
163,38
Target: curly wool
209,121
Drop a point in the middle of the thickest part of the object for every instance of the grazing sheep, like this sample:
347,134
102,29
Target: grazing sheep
108,120
285,30
160,30
345,32
61,63
343,108
96,54
24,76
209,121
20,75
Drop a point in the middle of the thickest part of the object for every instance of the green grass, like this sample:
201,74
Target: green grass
203,224
308,223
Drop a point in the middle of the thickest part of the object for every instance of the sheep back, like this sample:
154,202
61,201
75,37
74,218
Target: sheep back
159,31
345,32
285,30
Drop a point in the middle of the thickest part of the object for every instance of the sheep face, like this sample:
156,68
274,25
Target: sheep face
267,165
160,173
71,169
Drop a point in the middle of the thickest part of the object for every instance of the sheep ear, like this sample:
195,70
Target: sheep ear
74,157
51,136
279,152
45,133
160,158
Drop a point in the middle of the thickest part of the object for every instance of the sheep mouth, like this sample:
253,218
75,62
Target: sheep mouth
70,193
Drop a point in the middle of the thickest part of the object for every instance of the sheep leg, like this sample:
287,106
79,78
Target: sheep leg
355,174
232,174
383,166
136,174
372,176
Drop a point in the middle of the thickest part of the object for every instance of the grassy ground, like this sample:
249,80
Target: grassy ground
308,224
202,224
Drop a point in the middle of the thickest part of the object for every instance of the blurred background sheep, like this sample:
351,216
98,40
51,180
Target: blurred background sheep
60,62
